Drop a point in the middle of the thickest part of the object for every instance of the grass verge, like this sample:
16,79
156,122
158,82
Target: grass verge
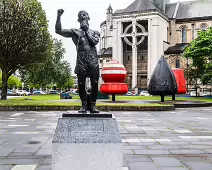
127,98
23,102
54,100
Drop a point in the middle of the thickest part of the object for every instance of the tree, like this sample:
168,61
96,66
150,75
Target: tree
54,70
14,81
69,84
200,51
24,36
63,77
193,76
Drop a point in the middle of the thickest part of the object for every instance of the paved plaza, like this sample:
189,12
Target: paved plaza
172,140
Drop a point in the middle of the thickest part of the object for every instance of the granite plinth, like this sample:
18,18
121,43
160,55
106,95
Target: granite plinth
88,115
90,143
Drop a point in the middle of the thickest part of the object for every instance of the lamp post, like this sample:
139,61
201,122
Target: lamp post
187,74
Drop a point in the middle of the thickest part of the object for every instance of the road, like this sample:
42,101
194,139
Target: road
172,140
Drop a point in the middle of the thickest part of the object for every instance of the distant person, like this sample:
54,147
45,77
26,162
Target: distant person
87,64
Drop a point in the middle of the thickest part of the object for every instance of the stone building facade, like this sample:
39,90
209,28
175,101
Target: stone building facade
138,35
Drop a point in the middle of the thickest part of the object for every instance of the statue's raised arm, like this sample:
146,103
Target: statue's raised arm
58,27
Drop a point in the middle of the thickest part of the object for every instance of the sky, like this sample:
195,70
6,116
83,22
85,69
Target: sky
97,13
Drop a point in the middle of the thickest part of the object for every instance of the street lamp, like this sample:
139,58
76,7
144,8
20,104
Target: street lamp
187,74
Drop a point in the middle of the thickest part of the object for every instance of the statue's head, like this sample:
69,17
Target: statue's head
83,15
83,18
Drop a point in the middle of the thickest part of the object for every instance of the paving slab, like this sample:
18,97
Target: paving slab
167,140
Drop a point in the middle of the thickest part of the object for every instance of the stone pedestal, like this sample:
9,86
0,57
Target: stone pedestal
86,143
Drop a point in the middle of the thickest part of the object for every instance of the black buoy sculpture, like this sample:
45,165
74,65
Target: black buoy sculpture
163,81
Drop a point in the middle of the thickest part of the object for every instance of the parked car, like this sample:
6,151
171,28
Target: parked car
204,94
75,92
22,92
11,93
130,93
38,92
144,93
53,92
193,93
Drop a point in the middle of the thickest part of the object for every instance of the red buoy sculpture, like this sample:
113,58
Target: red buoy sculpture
180,79
113,75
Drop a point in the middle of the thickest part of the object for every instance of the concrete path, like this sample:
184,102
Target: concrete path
177,140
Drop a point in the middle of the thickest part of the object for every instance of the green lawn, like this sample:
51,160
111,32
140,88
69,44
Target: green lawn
12,102
51,100
118,98
125,98
43,97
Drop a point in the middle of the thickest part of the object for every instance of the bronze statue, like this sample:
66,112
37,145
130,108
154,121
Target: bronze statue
87,64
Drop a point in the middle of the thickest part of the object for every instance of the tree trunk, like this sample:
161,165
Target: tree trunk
113,97
162,98
196,91
4,85
173,96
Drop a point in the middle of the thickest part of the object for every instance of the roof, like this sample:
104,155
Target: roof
170,9
185,10
119,11
176,49
102,51
109,51
139,6
105,52
103,23
190,9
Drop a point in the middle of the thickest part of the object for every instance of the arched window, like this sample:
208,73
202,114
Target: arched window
203,27
184,34
103,42
177,63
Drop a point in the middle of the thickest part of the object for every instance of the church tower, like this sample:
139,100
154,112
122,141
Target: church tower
109,14
109,27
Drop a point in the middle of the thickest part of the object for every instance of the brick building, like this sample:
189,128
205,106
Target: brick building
138,35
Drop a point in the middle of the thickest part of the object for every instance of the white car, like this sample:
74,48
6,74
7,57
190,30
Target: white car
144,93
193,93
23,92
38,92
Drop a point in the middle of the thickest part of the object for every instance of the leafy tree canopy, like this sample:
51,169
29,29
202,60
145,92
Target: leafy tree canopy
200,51
13,81
24,36
54,70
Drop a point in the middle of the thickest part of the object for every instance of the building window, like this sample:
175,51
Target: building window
184,34
167,34
139,58
203,27
177,63
103,42
193,31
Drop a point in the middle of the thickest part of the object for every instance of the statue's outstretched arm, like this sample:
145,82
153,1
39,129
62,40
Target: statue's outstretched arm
93,37
58,27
